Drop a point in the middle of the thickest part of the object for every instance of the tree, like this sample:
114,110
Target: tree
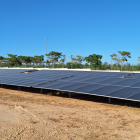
121,57
76,61
79,59
1,60
73,59
94,59
63,59
21,59
13,59
33,60
138,58
53,57
25,59
48,63
36,59
41,59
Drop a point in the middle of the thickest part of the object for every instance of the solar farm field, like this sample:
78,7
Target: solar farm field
103,105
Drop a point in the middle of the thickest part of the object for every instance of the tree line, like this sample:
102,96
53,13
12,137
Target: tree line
57,59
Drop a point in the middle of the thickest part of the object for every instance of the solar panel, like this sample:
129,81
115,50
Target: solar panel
58,85
127,82
96,80
111,81
124,93
107,84
31,84
90,87
136,85
73,78
48,84
80,79
74,86
2,81
27,83
105,90
121,75
135,97
134,75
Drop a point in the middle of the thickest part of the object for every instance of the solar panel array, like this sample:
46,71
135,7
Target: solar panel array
120,85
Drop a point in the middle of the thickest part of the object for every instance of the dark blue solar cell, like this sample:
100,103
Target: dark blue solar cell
121,75
59,86
86,89
127,82
74,86
111,81
5,81
96,80
73,78
31,83
136,85
105,90
135,97
134,76
81,79
49,84
27,82
124,93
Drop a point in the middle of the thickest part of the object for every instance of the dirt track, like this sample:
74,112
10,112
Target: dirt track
30,116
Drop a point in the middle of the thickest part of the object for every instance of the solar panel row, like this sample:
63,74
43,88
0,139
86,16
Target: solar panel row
93,89
107,84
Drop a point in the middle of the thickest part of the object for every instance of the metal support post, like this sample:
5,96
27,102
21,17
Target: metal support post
19,88
1,85
109,100
41,90
69,95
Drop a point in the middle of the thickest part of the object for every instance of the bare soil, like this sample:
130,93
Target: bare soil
32,116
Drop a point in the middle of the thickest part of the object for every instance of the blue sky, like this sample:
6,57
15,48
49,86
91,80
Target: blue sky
78,27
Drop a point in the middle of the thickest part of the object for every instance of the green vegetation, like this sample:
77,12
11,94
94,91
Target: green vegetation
53,57
58,60
121,58
94,60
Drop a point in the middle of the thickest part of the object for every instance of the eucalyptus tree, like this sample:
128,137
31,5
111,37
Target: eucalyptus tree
73,60
1,60
79,59
121,57
62,60
53,57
